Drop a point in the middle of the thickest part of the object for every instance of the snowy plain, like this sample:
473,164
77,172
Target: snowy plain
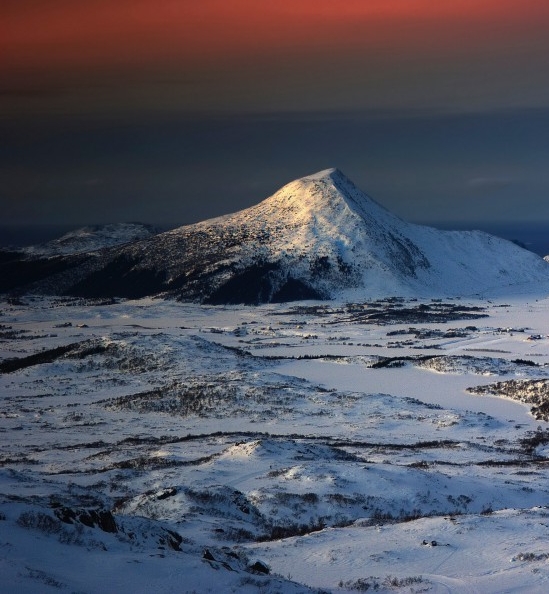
158,446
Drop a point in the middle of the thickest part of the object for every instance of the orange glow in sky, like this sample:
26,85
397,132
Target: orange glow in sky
223,54
106,34
157,98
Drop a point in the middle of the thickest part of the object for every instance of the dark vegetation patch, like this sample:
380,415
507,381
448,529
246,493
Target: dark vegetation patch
147,463
77,350
291,529
470,364
219,395
534,392
425,333
391,362
333,442
178,399
375,584
123,276
504,463
262,282
233,506
390,311
252,286
295,290
47,356
525,362
453,363
531,557
18,271
8,333
533,439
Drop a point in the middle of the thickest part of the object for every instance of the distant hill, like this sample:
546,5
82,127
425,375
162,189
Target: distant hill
92,238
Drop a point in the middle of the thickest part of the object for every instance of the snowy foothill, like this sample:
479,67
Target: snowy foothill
92,238
391,445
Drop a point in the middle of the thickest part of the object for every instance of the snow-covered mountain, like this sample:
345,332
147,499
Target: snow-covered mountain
318,237
92,238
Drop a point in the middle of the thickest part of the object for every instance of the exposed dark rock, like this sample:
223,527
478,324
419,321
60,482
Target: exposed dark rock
167,493
259,567
102,519
174,540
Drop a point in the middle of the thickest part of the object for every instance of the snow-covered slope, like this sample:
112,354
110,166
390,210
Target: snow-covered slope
318,237
158,446
323,230
92,238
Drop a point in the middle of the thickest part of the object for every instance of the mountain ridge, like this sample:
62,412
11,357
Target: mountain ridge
318,237
91,238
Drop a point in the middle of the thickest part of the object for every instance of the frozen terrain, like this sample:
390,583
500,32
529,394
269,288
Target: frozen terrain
391,445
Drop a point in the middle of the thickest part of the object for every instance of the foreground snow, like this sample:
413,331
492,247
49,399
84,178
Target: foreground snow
158,446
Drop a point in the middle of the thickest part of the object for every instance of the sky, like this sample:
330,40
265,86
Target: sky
173,111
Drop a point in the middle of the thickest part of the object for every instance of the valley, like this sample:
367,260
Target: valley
301,447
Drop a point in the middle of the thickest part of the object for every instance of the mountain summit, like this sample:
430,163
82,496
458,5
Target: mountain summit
318,237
